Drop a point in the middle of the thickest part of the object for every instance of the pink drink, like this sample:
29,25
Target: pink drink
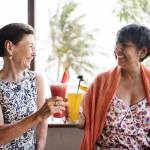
58,90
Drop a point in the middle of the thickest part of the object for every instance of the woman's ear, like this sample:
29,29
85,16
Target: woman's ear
9,47
142,53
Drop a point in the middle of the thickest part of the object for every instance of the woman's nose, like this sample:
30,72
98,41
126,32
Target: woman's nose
118,49
33,52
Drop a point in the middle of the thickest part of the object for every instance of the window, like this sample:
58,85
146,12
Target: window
12,11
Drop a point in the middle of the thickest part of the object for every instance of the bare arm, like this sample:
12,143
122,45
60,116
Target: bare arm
12,131
41,130
9,132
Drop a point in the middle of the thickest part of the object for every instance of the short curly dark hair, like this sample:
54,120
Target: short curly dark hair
137,34
13,32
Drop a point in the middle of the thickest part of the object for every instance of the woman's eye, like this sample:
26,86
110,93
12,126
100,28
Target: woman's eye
31,46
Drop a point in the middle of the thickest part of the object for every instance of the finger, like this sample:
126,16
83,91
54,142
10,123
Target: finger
65,100
57,98
54,110
60,103
50,103
57,103
57,109
61,108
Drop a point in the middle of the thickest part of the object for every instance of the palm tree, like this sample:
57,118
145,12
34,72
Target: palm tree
133,10
71,44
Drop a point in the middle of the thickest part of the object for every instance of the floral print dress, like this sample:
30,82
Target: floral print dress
126,127
18,100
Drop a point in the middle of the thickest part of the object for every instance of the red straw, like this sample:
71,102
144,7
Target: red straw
65,76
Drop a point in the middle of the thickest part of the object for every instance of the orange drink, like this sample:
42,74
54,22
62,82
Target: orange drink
74,101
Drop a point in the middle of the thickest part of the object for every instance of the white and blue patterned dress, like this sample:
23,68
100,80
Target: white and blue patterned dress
18,100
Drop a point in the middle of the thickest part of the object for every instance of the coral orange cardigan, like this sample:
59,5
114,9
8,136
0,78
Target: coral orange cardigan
98,99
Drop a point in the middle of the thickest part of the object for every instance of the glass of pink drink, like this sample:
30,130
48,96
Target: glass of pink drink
58,89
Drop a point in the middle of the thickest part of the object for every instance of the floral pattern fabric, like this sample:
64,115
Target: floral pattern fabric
126,127
18,100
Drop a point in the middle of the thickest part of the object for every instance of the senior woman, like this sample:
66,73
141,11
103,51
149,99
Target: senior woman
116,108
22,91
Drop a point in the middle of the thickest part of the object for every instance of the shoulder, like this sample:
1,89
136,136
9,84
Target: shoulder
34,74
105,79
35,77
145,68
39,79
104,76
39,76
30,74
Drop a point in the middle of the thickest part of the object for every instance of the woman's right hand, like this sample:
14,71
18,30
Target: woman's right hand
52,105
82,120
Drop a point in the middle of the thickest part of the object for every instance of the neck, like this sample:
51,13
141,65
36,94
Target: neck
11,72
133,73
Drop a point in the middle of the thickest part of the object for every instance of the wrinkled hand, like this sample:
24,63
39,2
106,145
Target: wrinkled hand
51,106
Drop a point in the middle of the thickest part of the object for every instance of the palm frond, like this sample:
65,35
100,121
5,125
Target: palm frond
71,44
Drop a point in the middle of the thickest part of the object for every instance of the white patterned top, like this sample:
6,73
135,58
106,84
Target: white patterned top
18,100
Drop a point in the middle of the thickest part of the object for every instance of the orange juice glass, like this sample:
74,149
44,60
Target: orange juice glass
74,101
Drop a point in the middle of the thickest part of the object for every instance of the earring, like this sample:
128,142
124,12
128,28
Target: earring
10,57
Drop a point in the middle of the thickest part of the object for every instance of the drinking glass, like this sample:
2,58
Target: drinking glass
74,101
59,89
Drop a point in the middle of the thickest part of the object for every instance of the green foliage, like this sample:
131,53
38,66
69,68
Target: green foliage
71,44
136,11
133,10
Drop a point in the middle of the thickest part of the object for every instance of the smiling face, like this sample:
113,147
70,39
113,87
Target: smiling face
132,45
23,52
128,54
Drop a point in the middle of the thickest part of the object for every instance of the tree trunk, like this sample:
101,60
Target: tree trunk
58,69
